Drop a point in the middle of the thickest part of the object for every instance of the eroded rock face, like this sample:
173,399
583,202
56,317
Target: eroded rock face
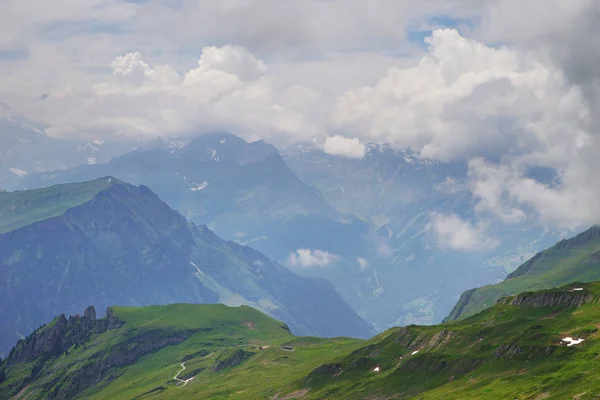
104,365
438,364
411,339
513,351
328,370
90,313
231,360
550,299
112,322
56,337
43,341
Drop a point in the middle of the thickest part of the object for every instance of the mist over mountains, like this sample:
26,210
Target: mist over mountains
370,226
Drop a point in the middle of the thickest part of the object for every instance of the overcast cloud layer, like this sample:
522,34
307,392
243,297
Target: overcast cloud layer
504,86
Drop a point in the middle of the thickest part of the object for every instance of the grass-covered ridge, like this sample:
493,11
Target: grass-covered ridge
21,208
514,350
572,260
207,338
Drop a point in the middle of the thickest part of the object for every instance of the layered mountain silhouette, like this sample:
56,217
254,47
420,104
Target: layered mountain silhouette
26,149
106,242
369,217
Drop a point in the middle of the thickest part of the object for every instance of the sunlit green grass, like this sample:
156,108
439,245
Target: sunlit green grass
19,209
457,360
566,262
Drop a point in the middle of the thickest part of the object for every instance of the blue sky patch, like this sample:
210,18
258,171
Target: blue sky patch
419,34
14,54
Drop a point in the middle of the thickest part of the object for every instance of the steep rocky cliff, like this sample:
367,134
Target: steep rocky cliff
567,298
60,334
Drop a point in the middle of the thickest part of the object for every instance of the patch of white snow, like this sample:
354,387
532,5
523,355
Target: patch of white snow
201,186
570,341
213,154
197,269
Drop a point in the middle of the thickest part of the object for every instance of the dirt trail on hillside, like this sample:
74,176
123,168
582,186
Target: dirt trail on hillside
184,381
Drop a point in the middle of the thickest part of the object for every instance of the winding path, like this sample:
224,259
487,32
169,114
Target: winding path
185,381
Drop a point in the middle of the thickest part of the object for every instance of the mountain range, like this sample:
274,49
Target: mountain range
25,148
245,192
105,242
397,192
362,224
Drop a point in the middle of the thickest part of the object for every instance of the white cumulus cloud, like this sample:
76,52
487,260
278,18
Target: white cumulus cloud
464,98
345,147
304,73
455,233
229,89
307,258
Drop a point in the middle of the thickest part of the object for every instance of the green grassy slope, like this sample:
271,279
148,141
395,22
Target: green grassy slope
214,336
506,352
513,350
18,209
573,260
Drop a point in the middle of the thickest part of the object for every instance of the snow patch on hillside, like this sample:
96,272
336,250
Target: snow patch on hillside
571,342
200,186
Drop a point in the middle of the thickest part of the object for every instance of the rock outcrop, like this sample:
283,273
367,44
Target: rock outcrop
514,351
440,364
90,313
231,359
104,365
549,299
58,336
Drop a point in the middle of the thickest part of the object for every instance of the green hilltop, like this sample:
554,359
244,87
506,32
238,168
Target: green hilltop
24,207
513,350
572,260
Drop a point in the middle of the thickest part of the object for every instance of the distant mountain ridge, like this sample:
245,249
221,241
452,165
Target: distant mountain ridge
369,217
244,192
417,278
26,149
571,260
106,242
